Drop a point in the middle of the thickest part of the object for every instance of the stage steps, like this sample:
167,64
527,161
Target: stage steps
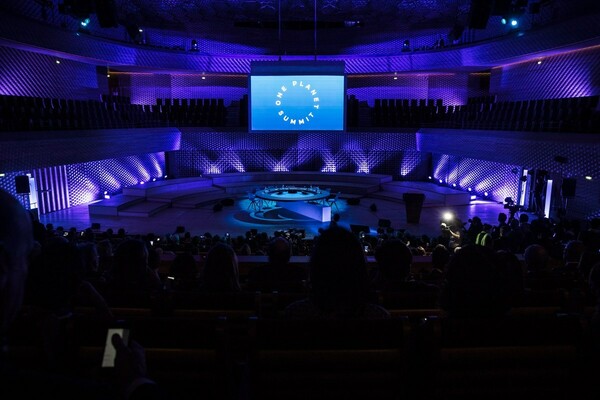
396,197
114,205
150,189
172,197
145,209
435,195
201,199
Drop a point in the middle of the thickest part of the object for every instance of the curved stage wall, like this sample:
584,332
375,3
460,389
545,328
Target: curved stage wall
486,161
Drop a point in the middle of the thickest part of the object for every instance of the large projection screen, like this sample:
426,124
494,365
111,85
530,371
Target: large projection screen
297,96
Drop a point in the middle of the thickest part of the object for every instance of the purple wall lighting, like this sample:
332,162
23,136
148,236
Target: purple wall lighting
281,164
496,179
89,181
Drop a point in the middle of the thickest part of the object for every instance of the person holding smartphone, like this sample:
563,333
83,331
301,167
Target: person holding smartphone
16,249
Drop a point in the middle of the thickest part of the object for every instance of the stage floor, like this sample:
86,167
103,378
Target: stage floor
237,219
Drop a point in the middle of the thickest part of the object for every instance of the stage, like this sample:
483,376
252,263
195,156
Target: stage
201,207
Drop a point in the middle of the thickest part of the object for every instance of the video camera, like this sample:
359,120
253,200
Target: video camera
510,205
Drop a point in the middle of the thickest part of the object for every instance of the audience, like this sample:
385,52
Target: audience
16,250
221,273
277,274
338,280
131,281
71,269
183,273
476,284
394,282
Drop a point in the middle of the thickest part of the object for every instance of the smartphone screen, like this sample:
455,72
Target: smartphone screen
108,360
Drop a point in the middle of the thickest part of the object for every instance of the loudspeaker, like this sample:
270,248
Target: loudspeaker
22,184
413,203
480,13
227,202
353,201
217,207
568,187
384,223
106,11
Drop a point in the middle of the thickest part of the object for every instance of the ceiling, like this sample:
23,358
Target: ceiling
385,14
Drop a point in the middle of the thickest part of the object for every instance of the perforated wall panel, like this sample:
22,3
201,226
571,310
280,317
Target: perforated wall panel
573,74
497,179
66,186
89,181
458,156
24,73
368,152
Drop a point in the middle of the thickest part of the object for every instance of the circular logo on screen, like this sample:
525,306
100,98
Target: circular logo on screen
297,103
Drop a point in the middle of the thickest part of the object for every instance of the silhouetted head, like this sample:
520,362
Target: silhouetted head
338,270
279,251
394,259
572,251
536,257
16,245
476,284
131,262
220,273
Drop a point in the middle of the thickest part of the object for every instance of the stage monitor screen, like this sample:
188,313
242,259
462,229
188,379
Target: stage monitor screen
297,102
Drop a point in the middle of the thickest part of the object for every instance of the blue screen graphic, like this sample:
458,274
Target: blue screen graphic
297,103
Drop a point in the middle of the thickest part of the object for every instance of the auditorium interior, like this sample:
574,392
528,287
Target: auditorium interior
138,116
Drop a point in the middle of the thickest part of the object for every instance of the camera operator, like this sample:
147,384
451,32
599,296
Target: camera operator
450,237
512,208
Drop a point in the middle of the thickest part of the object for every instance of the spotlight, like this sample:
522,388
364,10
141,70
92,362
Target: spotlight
514,23
153,179
473,197
447,216
429,177
504,21
588,178
470,189
454,185
485,194
84,23
441,181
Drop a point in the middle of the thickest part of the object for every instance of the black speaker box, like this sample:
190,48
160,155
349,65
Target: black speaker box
568,187
22,184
